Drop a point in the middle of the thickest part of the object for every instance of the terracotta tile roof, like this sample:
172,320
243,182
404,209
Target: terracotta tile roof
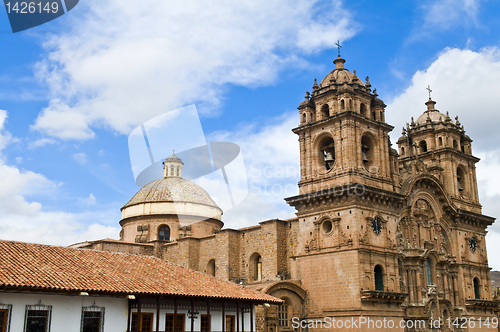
52,268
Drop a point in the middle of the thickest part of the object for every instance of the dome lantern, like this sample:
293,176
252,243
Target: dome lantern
172,166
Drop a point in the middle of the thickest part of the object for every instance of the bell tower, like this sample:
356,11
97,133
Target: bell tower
343,135
442,146
347,208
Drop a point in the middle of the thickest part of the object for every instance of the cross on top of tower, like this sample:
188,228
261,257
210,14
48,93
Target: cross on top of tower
429,89
338,46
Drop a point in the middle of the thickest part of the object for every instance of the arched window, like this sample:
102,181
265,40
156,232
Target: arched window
326,152
440,140
325,111
342,104
255,267
178,170
211,268
374,116
381,116
428,271
461,185
164,233
172,170
455,145
446,315
362,110
283,314
304,117
367,153
477,289
423,146
258,271
379,278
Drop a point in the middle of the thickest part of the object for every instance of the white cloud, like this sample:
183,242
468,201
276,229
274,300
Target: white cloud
271,156
91,200
465,83
41,143
445,13
24,219
5,136
80,158
122,64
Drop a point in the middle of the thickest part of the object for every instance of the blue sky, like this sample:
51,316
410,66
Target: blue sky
72,90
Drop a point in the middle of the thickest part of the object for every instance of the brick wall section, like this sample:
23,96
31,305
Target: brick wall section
234,254
215,247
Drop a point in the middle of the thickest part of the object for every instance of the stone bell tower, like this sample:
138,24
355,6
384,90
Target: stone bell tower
343,135
347,208
442,145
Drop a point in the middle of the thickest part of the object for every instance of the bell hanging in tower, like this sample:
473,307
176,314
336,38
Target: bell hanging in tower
329,157
363,154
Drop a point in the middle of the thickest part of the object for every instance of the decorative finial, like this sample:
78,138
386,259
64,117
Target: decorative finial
403,132
307,95
412,122
315,85
457,122
338,46
354,72
429,89
375,92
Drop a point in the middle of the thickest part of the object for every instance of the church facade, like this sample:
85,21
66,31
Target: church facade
380,234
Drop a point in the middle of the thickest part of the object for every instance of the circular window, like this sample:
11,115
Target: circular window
327,226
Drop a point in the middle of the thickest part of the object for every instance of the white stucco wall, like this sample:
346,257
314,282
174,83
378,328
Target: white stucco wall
67,310
177,208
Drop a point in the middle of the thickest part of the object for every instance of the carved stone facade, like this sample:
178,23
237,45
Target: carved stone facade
378,233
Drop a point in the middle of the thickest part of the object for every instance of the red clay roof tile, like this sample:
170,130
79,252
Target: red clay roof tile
37,266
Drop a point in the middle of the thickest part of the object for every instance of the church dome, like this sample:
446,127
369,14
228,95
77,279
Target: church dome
172,189
433,114
340,75
172,195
